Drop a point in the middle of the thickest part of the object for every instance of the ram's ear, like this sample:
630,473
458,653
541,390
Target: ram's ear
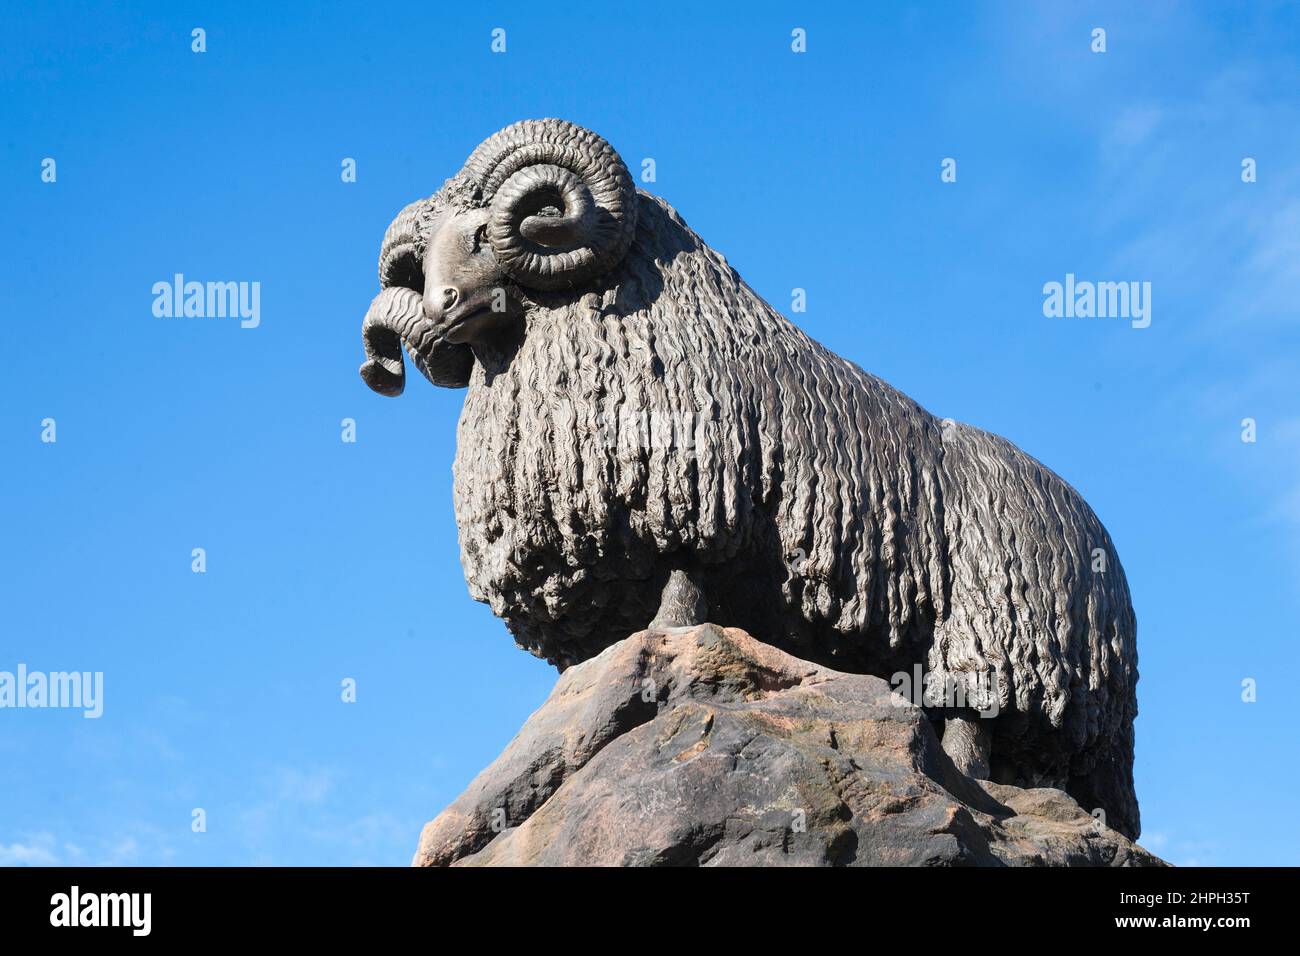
399,254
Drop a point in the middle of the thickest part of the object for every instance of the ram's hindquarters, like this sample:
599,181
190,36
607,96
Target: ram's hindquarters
1039,600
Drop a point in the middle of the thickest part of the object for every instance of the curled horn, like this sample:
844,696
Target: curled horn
534,168
396,317
400,252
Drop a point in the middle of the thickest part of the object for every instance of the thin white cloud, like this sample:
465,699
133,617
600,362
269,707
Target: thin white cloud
123,849
38,851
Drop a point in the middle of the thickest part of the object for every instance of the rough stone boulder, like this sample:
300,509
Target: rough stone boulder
704,746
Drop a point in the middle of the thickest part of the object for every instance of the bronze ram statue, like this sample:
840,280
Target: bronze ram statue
641,429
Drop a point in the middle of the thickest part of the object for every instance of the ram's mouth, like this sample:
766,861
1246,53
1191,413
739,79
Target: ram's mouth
457,322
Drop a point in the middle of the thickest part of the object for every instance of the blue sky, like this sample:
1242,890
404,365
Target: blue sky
328,560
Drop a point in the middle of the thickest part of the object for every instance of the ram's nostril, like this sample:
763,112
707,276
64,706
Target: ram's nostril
449,298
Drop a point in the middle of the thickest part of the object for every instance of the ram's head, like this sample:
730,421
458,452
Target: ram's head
541,206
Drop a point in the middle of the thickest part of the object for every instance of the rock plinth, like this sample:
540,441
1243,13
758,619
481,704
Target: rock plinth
704,746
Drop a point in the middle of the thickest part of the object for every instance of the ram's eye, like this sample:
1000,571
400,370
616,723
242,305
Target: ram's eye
480,238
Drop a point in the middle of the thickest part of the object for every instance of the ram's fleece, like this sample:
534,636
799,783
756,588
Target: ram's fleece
634,409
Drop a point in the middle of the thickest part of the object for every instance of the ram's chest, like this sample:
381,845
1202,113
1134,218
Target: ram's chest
548,472
523,486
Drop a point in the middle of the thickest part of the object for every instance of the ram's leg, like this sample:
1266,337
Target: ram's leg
968,741
682,604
